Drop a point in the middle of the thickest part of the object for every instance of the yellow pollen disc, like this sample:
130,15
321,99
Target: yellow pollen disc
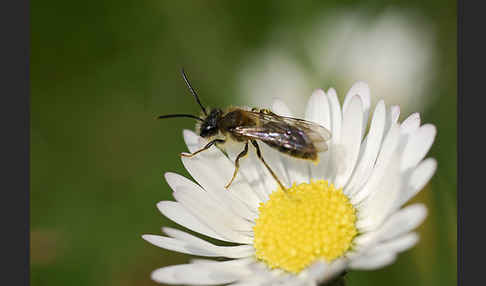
308,222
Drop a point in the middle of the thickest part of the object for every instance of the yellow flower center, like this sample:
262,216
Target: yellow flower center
308,222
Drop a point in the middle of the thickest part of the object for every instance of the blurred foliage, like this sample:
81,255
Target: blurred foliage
101,70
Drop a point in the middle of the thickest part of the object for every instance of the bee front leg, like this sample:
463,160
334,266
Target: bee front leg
259,155
204,148
237,163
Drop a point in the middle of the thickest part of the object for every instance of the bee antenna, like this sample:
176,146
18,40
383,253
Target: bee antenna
179,115
193,91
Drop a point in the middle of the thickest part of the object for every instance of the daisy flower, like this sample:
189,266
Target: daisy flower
346,212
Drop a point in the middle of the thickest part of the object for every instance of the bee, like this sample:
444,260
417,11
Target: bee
298,138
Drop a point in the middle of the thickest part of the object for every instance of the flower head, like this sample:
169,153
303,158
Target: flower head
343,213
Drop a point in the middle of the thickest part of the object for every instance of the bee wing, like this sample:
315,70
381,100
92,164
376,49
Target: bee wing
313,129
275,137
291,133
318,134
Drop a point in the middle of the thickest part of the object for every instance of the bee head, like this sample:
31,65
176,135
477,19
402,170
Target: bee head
209,127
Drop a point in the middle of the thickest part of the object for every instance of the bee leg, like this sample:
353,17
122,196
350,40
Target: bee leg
259,154
237,164
262,111
204,148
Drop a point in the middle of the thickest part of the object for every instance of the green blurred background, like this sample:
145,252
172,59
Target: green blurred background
101,70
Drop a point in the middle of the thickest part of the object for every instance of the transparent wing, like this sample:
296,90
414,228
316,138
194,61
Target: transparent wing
312,127
287,132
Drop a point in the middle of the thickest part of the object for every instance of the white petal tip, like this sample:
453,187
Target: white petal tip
280,108
164,275
160,205
331,92
361,88
415,116
318,92
169,175
420,210
148,237
431,129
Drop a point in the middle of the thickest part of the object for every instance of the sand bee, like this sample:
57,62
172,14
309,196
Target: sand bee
295,137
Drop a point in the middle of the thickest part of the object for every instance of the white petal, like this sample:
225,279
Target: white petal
363,91
418,145
217,203
279,107
318,111
350,140
213,170
396,245
251,169
294,281
190,245
240,264
263,276
386,153
177,213
395,113
238,251
230,203
381,202
388,149
334,148
323,272
175,180
199,274
391,117
404,221
373,262
318,270
336,114
398,224
273,158
177,245
298,170
270,281
184,236
214,216
411,124
371,148
419,178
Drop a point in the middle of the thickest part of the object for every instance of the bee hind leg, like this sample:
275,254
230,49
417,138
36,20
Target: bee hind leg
211,143
237,164
259,155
